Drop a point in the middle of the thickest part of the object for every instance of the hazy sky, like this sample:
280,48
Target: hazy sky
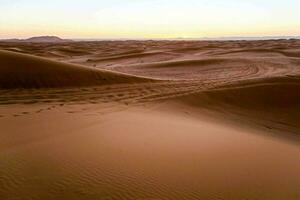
148,18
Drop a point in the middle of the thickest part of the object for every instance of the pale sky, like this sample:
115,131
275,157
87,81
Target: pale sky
148,18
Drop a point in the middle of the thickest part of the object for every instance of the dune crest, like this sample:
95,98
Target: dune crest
24,71
270,103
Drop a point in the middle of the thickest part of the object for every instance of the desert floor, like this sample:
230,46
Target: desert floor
150,120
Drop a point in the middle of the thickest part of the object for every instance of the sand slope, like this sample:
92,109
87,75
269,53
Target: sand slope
25,71
272,104
92,152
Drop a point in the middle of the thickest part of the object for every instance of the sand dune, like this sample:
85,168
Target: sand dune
269,103
212,120
24,71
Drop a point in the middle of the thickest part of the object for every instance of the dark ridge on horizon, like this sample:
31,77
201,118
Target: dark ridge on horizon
39,39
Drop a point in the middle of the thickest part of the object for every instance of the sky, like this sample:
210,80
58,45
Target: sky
102,19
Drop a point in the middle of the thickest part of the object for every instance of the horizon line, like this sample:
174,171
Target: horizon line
263,37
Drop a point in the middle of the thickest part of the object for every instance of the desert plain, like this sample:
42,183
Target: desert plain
150,120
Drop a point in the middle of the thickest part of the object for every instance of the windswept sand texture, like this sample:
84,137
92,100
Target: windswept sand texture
150,120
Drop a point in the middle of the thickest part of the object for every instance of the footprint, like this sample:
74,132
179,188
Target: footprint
39,111
268,127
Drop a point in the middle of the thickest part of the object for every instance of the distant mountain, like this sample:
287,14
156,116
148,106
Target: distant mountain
40,39
53,39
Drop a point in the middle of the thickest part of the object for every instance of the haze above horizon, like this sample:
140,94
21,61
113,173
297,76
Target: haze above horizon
149,19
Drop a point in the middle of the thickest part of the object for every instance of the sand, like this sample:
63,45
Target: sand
24,71
150,120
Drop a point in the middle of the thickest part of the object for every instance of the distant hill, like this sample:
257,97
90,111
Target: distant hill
46,39
40,39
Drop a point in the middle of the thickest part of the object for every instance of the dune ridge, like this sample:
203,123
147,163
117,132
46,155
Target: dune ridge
269,103
25,71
